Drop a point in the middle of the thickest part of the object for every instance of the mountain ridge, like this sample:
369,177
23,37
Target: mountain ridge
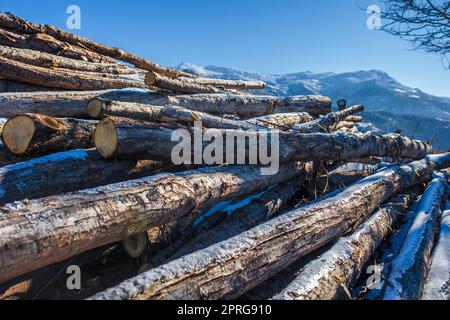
390,106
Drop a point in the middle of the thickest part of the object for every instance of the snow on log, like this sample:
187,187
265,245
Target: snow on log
32,134
340,266
325,123
230,218
65,172
15,23
123,138
437,286
230,268
52,229
409,269
63,79
46,43
281,121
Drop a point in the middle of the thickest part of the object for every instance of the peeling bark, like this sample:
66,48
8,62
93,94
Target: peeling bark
341,265
32,134
49,230
409,269
230,268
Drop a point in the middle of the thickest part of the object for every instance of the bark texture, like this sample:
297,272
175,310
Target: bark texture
325,123
34,134
123,138
52,229
46,43
341,266
231,268
409,269
63,79
65,172
228,84
12,22
281,121
153,79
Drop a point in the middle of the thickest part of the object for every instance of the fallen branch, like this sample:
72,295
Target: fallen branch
409,269
32,134
32,238
230,268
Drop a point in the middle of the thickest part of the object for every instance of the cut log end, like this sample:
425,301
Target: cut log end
95,109
150,79
106,138
18,133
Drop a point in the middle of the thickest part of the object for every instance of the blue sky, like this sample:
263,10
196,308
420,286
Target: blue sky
270,36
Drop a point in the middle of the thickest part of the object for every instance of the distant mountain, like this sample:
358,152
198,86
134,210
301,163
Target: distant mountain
390,106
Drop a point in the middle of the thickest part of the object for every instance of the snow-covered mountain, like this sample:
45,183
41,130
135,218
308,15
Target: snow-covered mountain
390,106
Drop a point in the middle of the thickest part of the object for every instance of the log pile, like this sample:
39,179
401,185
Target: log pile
87,170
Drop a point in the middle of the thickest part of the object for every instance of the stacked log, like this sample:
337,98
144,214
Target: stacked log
88,138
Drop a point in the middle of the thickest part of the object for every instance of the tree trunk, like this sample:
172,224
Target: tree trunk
231,268
340,266
33,134
343,125
100,108
74,103
409,269
436,286
227,84
323,124
46,60
31,238
46,43
76,170
249,106
12,22
63,79
354,119
124,138
153,79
